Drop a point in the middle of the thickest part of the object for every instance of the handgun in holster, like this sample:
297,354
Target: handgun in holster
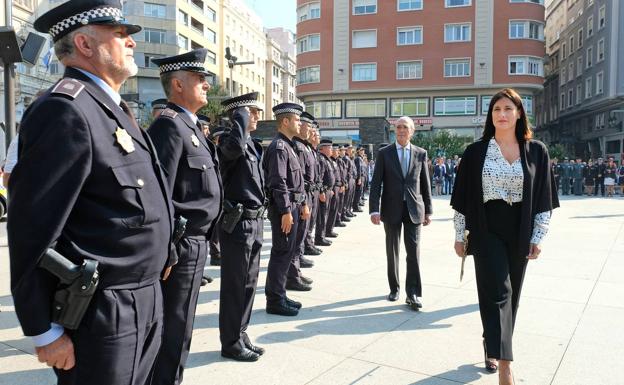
179,228
76,287
232,214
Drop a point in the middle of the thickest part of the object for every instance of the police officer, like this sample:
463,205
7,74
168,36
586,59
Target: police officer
328,180
190,163
577,177
353,176
89,185
158,106
566,174
241,235
344,172
287,202
359,181
338,189
313,142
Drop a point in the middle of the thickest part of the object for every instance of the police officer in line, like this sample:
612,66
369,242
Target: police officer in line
338,188
287,203
295,280
353,174
327,192
344,172
88,184
242,229
566,174
158,106
577,177
313,142
190,163
359,181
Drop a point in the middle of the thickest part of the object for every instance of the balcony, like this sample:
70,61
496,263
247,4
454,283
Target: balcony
198,4
197,26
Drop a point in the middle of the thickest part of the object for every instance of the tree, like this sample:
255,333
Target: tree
215,96
557,151
442,143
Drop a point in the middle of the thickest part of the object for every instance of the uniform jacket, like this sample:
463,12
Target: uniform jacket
283,173
327,172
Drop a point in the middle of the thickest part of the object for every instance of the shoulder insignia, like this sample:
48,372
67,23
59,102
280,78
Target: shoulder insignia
68,86
168,112
280,144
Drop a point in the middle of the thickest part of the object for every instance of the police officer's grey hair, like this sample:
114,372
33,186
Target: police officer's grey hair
65,48
166,78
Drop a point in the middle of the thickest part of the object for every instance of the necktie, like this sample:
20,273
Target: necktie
404,161
128,111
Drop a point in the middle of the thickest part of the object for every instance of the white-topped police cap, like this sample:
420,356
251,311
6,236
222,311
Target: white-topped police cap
326,142
193,61
69,16
246,100
159,104
287,108
307,117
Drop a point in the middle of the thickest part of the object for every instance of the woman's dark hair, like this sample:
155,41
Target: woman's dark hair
523,129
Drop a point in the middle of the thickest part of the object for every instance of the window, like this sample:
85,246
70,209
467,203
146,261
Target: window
365,108
579,94
571,44
409,5
28,4
456,32
183,17
364,72
562,76
409,107
309,43
156,36
409,35
364,7
454,106
364,39
571,71
579,66
527,102
485,104
528,1
211,57
590,26
212,15
563,51
457,3
183,42
589,58
588,88
211,36
562,101
601,50
456,68
601,17
409,69
570,98
154,10
529,65
309,11
525,29
600,121
327,109
599,83
580,37
309,75
148,60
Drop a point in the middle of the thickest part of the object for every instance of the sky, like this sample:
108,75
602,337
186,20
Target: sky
276,13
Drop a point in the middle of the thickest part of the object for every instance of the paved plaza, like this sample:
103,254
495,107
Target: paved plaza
570,328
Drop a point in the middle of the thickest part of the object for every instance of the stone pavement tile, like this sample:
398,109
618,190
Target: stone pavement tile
556,288
548,318
587,268
601,325
365,373
608,294
17,368
282,364
589,364
613,271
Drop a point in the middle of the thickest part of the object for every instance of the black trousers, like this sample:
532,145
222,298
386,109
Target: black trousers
499,274
282,251
215,248
294,270
240,265
118,339
357,196
332,215
180,293
411,234
314,210
321,217
599,184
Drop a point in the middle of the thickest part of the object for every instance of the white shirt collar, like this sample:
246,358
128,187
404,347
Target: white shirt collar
103,85
399,147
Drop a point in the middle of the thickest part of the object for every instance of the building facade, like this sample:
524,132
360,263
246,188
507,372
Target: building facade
283,74
436,61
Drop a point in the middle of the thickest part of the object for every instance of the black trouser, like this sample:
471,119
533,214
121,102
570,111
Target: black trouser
240,265
599,183
332,215
340,206
321,217
314,210
565,186
282,251
180,293
499,273
411,234
118,339
357,196
215,248
294,270
578,186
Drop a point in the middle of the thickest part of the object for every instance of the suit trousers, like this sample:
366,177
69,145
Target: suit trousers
314,209
240,266
180,294
340,206
118,339
499,275
294,270
357,196
321,218
332,215
411,234
282,251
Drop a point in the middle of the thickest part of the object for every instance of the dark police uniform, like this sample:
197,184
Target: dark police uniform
309,247
359,183
352,176
88,184
286,192
332,216
191,166
327,178
243,183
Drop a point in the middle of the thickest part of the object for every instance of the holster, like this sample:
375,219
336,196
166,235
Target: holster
231,216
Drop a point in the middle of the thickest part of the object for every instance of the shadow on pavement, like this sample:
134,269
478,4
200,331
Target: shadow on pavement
467,374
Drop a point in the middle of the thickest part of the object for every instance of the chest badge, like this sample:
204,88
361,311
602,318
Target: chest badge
195,140
125,140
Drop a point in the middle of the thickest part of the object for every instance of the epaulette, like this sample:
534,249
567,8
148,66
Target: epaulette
168,112
68,86
280,144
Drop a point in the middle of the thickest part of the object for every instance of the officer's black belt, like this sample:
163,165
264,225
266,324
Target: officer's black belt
339,184
253,213
297,198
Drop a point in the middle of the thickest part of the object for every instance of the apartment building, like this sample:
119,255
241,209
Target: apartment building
436,61
283,74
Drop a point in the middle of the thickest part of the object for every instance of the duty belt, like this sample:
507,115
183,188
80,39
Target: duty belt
338,184
297,198
253,213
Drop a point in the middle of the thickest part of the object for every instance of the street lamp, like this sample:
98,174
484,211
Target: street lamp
233,61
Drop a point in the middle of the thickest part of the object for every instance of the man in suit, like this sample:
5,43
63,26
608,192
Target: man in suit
190,163
88,184
401,172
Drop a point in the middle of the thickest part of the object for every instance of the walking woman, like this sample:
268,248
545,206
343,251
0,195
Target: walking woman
503,197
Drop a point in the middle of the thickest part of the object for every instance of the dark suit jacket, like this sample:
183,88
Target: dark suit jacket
415,186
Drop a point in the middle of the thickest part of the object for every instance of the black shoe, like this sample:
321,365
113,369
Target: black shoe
256,349
320,251
205,280
346,218
413,302
282,308
393,296
297,286
350,215
340,224
311,251
323,242
215,260
245,355
292,303
331,235
305,262
306,280
358,210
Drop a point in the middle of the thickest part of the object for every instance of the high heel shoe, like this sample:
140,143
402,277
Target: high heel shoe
491,366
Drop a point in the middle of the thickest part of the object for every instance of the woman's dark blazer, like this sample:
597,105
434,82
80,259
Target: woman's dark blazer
538,194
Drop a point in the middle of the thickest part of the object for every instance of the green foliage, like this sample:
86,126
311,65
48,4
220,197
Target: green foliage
215,96
442,143
557,151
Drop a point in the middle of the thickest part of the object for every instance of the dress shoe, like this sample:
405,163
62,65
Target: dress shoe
256,349
323,242
358,210
332,235
282,308
215,260
205,280
339,224
311,251
393,296
306,280
245,355
305,262
320,251
350,215
297,286
345,219
413,302
292,303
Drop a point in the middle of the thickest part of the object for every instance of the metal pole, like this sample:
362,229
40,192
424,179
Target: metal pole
9,86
